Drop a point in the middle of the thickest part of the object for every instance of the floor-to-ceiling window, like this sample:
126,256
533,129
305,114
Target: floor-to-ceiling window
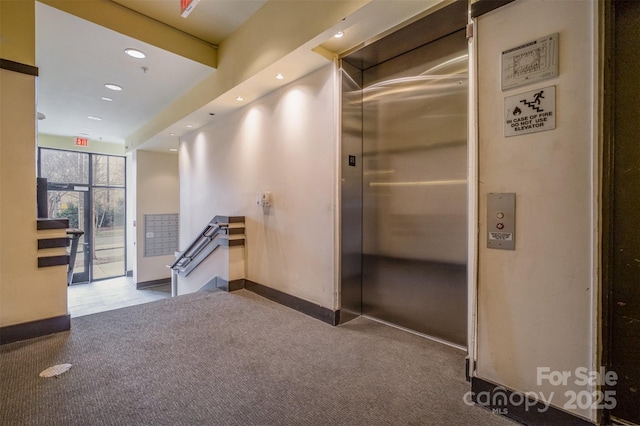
89,190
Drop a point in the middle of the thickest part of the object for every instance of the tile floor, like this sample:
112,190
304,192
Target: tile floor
105,295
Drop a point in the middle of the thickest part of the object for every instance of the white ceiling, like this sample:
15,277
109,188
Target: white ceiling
76,58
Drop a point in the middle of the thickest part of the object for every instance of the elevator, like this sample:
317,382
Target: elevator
404,178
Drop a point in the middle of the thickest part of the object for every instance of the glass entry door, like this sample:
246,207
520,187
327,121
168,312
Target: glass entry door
72,202
108,193
108,233
89,190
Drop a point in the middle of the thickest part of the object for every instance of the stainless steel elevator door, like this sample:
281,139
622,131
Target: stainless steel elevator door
415,190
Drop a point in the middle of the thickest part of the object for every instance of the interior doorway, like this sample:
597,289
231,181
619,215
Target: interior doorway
89,190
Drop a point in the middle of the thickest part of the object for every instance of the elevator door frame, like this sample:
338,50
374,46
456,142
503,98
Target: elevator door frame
614,128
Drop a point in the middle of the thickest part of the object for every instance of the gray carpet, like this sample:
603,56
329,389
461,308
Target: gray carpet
216,358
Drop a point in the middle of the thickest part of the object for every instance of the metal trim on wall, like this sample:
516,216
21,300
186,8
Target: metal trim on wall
18,67
440,23
351,193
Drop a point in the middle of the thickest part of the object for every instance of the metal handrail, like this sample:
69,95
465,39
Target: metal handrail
197,246
215,226
201,247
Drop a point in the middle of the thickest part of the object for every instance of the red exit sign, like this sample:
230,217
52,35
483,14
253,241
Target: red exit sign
186,6
82,142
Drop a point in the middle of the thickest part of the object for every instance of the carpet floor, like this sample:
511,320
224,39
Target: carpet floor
216,358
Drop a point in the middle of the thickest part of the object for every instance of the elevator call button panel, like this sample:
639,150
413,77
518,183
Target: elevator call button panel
501,221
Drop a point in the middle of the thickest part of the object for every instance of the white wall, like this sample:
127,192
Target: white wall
157,191
284,143
536,304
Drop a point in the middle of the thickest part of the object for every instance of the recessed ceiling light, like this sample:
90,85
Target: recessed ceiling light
339,34
113,87
279,76
189,125
239,99
104,98
135,53
172,134
173,149
93,117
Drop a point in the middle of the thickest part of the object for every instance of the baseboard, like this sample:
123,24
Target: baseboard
293,302
500,400
218,283
229,286
145,284
29,330
234,285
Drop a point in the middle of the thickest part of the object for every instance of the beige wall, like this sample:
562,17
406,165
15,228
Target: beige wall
536,305
157,191
27,293
284,143
18,31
